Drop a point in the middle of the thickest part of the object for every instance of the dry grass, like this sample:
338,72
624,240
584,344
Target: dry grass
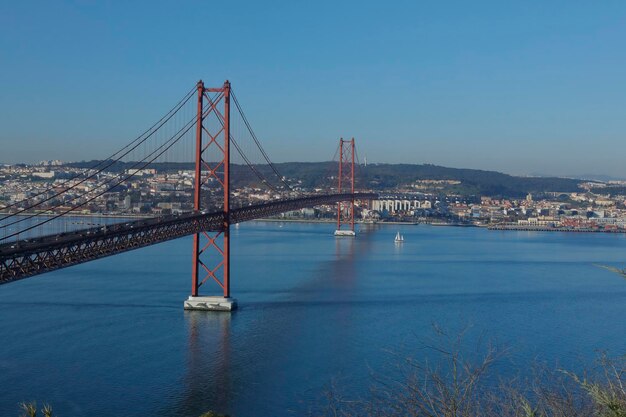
459,385
29,409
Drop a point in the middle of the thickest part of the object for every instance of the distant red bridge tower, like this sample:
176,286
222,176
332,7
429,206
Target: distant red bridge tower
345,209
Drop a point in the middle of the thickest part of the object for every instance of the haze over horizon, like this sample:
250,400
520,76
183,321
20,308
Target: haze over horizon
515,88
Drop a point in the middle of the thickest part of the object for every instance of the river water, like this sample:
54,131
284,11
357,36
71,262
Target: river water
110,337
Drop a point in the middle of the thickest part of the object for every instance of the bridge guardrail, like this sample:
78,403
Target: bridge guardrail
22,259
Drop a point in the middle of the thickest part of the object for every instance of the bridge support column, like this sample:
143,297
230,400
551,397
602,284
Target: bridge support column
345,209
211,252
210,303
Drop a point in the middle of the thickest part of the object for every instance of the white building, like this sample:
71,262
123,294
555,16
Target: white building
392,205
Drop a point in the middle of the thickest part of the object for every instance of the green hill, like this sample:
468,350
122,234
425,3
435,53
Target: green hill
382,177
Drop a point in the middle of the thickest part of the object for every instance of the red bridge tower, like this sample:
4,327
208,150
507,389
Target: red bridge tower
345,209
211,258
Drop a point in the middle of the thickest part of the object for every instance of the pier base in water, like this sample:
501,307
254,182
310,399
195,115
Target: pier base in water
210,303
348,233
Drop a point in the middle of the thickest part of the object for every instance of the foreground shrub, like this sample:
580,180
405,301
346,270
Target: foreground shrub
458,384
29,409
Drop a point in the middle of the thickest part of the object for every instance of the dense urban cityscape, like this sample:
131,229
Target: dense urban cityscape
596,206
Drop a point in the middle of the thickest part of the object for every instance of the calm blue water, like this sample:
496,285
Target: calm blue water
110,338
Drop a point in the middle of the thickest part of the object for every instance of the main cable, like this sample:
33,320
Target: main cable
258,143
329,171
252,167
111,161
221,119
186,129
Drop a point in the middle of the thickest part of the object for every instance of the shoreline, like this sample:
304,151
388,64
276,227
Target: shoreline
326,221
553,229
512,228
396,223
491,228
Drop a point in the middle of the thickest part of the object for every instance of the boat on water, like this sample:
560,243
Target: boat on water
399,238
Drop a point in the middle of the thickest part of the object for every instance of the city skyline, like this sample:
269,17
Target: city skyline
510,88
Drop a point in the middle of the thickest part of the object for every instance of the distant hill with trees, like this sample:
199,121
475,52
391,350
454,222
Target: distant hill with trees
382,177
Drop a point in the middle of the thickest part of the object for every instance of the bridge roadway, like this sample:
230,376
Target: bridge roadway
26,258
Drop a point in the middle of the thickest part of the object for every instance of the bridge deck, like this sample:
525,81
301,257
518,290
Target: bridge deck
26,258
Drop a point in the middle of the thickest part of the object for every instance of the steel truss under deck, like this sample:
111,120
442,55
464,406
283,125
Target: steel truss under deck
26,258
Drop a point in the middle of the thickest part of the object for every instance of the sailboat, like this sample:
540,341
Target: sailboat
399,238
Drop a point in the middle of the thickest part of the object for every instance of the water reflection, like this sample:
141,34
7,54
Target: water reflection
208,382
344,247
220,371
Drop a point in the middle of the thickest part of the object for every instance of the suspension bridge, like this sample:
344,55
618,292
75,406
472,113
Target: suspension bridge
28,248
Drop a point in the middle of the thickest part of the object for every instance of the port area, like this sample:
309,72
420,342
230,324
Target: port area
210,303
345,233
554,229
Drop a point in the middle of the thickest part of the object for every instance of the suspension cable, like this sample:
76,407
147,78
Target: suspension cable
252,167
258,143
152,130
328,172
262,177
184,130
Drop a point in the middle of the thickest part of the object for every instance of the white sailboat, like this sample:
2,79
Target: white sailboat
399,238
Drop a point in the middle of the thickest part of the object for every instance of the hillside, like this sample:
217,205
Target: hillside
383,177
473,182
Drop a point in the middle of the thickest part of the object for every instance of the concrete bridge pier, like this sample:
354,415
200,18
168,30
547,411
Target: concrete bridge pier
210,303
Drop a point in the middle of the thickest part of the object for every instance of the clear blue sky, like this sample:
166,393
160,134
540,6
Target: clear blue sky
520,87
